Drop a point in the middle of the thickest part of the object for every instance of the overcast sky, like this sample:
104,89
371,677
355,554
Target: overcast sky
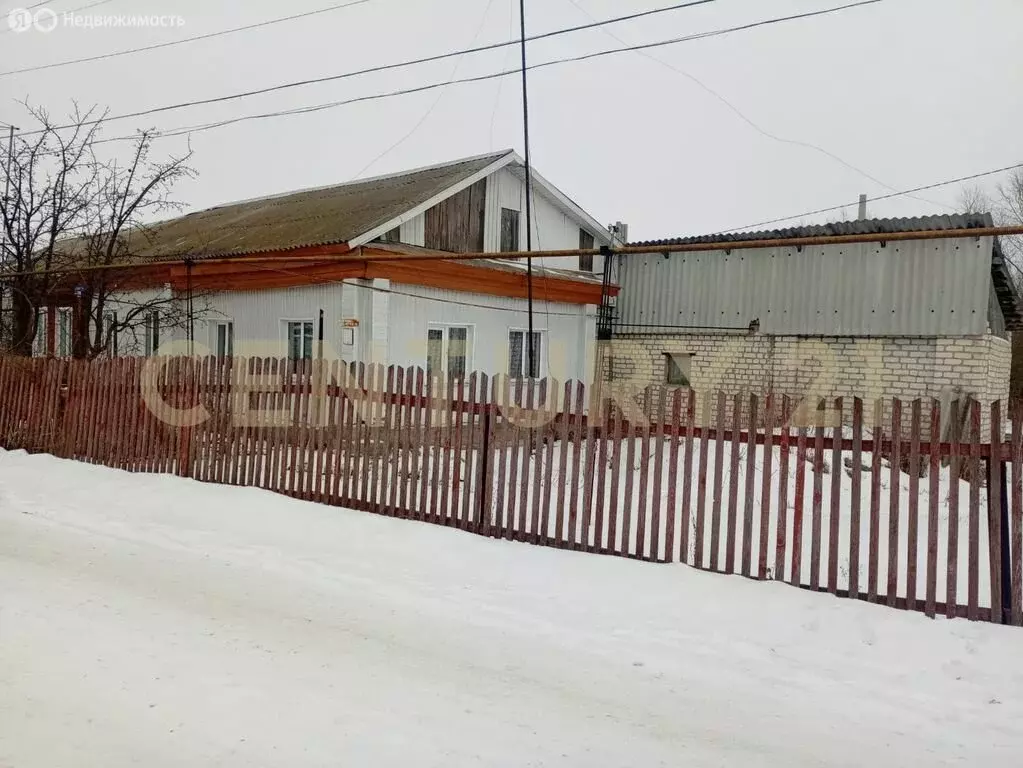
909,91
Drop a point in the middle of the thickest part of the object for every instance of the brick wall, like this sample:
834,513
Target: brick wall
825,367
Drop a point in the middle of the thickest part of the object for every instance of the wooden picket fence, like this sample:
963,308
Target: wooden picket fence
872,502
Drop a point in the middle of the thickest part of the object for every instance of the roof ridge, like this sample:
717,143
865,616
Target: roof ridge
351,183
940,221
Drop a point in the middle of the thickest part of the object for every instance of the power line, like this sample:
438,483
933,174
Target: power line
433,106
170,43
389,67
72,12
432,86
742,115
882,197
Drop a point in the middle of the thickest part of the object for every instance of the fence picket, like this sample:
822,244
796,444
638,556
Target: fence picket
797,511
537,433
643,493
1017,515
747,509
672,500
994,514
934,480
719,461
733,483
816,510
590,441
627,500
765,490
599,406
525,448
687,478
782,532
894,492
576,478
973,594
616,474
913,522
875,506
952,573
834,518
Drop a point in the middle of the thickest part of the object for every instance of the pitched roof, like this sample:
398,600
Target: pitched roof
1005,289
323,216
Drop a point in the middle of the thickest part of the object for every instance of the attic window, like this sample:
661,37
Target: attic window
585,243
394,236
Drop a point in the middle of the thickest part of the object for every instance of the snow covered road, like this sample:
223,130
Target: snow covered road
156,621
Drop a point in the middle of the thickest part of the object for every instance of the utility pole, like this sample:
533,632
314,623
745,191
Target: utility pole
530,346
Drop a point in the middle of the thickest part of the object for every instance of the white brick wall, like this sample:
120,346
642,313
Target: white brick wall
826,367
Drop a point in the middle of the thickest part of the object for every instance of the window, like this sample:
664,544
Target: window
39,342
393,236
677,369
110,332
152,333
64,332
509,230
518,355
224,340
585,243
300,340
447,351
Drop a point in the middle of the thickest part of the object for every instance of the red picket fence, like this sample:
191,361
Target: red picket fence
915,505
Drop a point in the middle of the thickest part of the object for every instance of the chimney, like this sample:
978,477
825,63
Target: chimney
863,208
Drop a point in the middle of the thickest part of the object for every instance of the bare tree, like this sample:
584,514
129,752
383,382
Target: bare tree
47,176
115,232
974,199
69,216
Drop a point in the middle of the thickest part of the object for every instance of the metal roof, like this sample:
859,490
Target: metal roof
323,216
835,228
1005,289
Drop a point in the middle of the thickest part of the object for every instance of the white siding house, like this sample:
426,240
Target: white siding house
279,275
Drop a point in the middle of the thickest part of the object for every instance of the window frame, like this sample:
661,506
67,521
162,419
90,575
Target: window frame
286,323
64,341
216,325
151,337
541,357
673,359
586,241
445,358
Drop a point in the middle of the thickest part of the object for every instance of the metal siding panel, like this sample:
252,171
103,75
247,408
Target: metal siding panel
922,288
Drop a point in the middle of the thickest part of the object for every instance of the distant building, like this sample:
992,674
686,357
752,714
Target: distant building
914,318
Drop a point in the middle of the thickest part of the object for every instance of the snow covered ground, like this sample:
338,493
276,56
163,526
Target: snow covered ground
156,621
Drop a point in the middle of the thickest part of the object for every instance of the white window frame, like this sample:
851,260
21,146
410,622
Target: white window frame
151,348
64,333
110,332
39,343
542,352
470,345
215,326
286,335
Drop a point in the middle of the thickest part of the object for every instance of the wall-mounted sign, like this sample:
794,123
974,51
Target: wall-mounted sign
350,322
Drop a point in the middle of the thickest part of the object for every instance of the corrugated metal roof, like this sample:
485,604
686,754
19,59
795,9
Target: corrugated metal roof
945,277
324,216
835,228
